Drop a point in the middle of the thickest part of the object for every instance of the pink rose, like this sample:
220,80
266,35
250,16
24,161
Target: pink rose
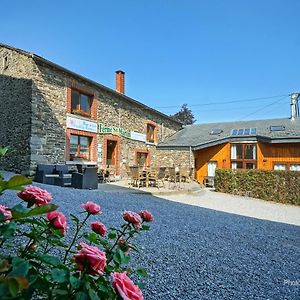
146,215
57,220
5,212
124,286
99,228
35,195
91,207
90,258
133,218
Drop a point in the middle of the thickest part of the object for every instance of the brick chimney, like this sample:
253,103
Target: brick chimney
120,81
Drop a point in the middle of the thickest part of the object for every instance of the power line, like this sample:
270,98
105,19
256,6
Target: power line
225,102
258,110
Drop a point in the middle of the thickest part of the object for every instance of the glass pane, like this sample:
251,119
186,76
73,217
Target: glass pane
239,151
150,133
73,146
239,165
295,167
253,131
84,147
234,132
241,131
247,131
85,103
250,166
279,167
75,101
249,152
233,151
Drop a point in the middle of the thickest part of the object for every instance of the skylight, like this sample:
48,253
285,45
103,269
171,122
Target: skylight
277,128
243,131
216,131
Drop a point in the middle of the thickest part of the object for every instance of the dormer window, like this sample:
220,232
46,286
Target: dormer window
81,104
151,132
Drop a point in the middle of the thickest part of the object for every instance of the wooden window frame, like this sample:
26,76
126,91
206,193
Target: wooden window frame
287,165
244,160
80,111
155,127
78,146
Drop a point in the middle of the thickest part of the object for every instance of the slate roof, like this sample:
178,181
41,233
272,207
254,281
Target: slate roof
40,59
198,136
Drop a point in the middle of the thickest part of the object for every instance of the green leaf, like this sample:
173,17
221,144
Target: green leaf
4,265
59,275
20,267
145,227
109,269
141,272
16,182
75,282
92,237
50,260
120,257
35,211
81,296
3,151
93,295
74,218
8,230
20,208
112,235
59,292
13,286
117,258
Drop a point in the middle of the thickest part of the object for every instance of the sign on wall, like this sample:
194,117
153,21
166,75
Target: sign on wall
80,124
113,130
138,136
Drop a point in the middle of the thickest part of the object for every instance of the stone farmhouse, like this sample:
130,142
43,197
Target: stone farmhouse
49,114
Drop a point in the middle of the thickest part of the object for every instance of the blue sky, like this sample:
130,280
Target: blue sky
203,53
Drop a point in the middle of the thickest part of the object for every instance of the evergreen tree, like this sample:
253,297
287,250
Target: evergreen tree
185,115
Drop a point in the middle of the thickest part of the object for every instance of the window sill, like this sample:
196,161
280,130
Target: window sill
151,143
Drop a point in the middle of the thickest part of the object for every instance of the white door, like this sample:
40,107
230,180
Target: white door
211,168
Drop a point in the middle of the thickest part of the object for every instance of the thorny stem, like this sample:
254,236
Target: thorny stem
78,228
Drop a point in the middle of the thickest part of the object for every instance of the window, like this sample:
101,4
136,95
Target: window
79,147
243,156
279,167
295,167
277,128
150,133
5,62
243,131
80,104
282,166
216,131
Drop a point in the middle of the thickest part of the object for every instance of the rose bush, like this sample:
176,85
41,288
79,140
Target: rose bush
44,256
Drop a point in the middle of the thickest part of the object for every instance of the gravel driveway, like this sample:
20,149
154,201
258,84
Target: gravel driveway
198,253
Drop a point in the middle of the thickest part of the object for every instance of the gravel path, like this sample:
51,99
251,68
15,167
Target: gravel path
198,253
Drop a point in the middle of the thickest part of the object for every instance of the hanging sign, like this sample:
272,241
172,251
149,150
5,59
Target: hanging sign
80,124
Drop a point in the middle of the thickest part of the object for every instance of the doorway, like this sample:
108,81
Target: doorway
211,168
141,159
111,153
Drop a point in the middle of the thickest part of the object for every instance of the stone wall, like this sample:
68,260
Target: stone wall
39,98
15,110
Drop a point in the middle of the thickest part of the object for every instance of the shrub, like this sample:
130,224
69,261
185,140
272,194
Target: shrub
38,261
278,186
